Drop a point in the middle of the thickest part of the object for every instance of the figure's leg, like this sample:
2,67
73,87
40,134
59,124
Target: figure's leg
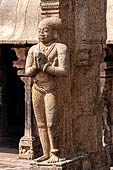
38,106
52,116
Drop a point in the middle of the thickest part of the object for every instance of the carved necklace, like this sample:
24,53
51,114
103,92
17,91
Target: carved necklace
45,49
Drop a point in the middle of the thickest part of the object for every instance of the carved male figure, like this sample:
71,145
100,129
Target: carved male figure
45,62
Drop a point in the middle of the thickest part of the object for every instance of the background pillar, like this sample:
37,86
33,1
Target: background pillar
29,145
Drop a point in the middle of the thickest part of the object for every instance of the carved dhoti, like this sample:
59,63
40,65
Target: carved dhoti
45,111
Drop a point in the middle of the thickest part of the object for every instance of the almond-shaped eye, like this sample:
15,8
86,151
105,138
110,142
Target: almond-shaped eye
46,30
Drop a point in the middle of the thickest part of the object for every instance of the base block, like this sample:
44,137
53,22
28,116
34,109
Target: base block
75,163
29,148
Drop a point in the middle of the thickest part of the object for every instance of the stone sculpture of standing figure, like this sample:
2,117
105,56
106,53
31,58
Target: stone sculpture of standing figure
46,61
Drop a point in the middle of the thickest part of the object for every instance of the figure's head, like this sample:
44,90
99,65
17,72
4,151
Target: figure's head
47,29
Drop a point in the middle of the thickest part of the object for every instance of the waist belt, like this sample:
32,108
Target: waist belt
42,90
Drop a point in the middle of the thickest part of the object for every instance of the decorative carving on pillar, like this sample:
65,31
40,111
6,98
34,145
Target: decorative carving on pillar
84,55
45,62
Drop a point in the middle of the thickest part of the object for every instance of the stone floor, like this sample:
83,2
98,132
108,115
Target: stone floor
9,159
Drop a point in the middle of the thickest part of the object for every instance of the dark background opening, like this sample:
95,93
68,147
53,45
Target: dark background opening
14,96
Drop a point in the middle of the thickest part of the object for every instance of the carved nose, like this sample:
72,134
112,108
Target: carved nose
41,32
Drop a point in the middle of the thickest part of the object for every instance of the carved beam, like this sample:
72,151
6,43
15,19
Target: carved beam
50,7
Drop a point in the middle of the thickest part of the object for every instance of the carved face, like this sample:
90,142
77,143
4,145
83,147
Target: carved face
45,33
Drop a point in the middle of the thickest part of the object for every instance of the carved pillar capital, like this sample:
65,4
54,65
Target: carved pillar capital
21,53
26,80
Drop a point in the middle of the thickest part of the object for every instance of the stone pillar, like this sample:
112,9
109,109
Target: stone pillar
81,115
86,40
29,146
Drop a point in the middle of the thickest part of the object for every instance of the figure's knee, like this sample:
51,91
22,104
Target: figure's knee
41,125
52,120
51,126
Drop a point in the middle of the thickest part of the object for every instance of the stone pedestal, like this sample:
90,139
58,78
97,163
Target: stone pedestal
75,163
82,161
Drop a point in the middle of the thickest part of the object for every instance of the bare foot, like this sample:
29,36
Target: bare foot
53,159
42,158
